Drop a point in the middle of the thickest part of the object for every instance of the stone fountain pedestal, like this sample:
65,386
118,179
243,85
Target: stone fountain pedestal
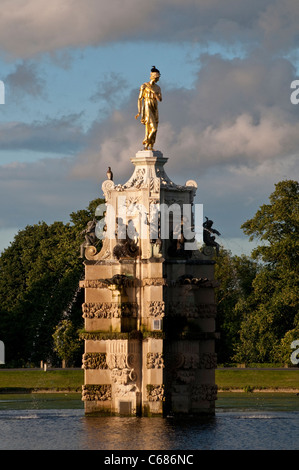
149,307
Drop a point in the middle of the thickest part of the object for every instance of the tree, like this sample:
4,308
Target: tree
272,308
235,274
66,342
277,224
39,278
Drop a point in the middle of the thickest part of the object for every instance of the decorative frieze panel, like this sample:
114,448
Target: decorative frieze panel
123,376
156,281
156,308
207,361
93,284
204,392
117,281
189,281
116,361
125,391
96,392
101,310
109,310
155,393
190,310
154,360
193,360
122,359
94,361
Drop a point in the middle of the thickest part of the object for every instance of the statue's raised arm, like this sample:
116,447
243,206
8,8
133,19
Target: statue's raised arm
149,95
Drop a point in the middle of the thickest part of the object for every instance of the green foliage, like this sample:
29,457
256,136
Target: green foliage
284,350
271,310
66,341
277,224
236,275
39,278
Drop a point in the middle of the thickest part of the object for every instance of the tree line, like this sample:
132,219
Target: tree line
257,301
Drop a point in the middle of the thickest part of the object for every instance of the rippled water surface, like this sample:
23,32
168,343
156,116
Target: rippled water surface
242,421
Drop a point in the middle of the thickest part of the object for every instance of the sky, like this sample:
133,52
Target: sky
71,72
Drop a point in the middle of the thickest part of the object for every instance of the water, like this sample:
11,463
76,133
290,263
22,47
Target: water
57,422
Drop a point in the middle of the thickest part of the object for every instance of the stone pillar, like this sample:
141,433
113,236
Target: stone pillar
149,305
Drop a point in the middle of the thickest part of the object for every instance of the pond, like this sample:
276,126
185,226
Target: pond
243,421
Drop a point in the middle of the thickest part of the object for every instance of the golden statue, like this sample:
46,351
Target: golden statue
149,95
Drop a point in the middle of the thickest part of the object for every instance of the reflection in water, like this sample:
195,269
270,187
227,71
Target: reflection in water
242,421
145,433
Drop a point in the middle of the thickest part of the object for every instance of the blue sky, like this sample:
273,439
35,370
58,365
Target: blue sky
72,72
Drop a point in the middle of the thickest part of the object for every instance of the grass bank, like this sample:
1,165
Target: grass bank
257,379
35,380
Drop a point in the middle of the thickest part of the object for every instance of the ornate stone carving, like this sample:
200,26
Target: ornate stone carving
93,284
123,390
157,281
190,310
101,310
191,183
207,361
156,308
116,360
121,376
89,236
204,392
94,361
109,310
119,280
154,360
107,187
126,246
185,376
187,361
137,179
155,392
208,235
96,392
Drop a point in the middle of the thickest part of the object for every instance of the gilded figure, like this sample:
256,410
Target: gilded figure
149,95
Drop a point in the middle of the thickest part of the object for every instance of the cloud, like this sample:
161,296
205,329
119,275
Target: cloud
43,190
25,80
58,135
110,88
238,113
44,26
235,132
